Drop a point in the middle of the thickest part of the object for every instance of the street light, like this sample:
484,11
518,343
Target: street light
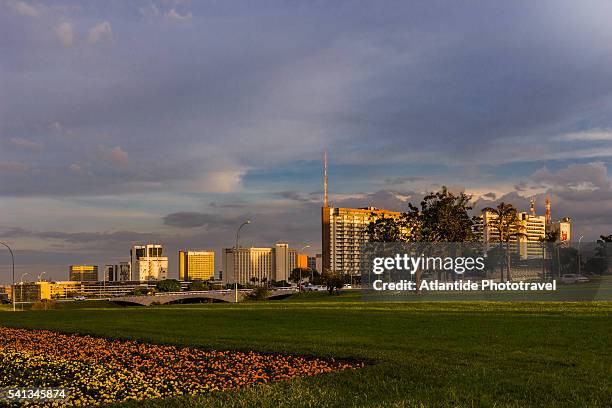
579,254
13,260
236,256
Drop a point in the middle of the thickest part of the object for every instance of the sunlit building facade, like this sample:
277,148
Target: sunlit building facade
196,265
79,273
344,233
148,262
258,265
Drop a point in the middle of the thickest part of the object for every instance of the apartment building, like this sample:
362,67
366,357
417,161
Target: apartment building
344,233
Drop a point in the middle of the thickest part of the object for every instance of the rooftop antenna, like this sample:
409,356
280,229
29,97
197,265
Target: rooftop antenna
325,179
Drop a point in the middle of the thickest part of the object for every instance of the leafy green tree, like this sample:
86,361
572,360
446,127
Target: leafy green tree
198,285
333,280
506,223
168,285
259,293
445,217
298,275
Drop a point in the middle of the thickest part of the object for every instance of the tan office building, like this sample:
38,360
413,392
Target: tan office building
344,232
83,273
259,264
196,265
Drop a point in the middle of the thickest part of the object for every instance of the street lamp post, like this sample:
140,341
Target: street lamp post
579,253
236,257
13,286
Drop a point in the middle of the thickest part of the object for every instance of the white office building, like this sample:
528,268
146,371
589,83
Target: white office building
148,262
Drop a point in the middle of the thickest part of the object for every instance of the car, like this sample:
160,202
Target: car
573,278
77,298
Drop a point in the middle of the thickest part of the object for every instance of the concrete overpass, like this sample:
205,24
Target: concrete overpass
229,296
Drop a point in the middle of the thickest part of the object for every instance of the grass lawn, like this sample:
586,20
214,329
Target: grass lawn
417,354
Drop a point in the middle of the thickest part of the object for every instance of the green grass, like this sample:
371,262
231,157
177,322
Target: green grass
485,354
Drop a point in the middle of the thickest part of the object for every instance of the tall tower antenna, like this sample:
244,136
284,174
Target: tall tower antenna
548,217
325,179
532,204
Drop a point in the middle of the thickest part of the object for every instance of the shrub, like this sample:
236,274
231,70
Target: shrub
44,304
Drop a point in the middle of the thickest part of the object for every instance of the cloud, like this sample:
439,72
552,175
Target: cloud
65,33
25,9
575,176
293,195
25,144
172,14
115,155
76,168
403,179
100,32
591,135
195,219
13,166
489,196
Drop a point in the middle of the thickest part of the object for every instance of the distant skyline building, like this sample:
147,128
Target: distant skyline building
302,261
311,262
264,264
83,273
529,232
148,262
196,265
121,272
343,234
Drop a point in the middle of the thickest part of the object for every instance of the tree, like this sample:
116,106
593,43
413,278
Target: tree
298,275
445,217
259,293
506,223
333,280
198,285
168,285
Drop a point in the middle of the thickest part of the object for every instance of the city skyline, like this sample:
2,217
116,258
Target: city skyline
174,122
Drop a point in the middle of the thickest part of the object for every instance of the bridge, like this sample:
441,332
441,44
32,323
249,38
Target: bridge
228,296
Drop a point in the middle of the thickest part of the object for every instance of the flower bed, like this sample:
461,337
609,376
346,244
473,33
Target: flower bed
98,371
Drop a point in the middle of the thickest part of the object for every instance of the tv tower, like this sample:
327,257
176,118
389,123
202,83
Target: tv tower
325,179
547,202
532,204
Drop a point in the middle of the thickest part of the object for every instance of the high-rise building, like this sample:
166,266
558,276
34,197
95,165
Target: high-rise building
81,273
319,262
249,265
148,262
196,265
302,261
526,236
311,262
119,272
344,233
562,229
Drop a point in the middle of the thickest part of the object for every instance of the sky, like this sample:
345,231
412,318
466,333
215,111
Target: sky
123,122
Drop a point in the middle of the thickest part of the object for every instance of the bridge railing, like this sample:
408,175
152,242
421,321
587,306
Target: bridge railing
219,291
